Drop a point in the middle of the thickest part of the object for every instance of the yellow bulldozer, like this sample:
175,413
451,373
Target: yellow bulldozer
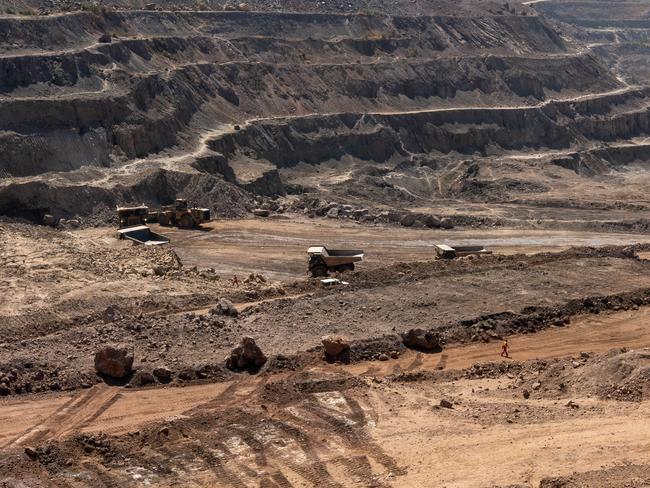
180,215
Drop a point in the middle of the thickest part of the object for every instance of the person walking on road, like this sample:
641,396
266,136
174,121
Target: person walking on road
504,349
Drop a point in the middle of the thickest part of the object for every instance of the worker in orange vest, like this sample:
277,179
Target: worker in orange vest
504,349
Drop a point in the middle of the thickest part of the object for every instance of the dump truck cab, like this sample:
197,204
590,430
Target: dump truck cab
322,260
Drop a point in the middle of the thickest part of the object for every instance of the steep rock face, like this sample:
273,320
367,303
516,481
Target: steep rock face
115,101
267,184
515,33
379,137
140,90
31,199
144,114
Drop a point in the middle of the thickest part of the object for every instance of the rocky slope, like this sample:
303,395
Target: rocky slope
109,105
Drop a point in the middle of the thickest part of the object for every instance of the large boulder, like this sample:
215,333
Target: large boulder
261,212
333,213
114,362
246,356
335,346
407,220
420,339
163,374
446,223
142,378
431,221
224,307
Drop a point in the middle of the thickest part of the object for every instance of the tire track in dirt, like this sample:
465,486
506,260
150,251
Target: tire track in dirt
86,410
289,441
237,392
316,427
58,411
70,417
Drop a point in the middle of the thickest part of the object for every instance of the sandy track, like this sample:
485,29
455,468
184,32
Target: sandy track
277,248
117,410
592,333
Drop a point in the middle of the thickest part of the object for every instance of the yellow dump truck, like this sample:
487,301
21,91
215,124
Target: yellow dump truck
322,261
178,214
132,216
443,251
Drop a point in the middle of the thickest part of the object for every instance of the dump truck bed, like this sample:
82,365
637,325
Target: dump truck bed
466,250
142,234
450,252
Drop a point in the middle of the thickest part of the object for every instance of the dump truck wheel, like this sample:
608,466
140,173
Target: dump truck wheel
163,219
186,222
318,270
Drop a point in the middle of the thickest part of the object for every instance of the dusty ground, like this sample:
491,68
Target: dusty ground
301,421
370,425
102,290
276,247
384,125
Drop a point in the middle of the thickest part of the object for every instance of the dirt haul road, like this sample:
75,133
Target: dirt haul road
277,247
454,442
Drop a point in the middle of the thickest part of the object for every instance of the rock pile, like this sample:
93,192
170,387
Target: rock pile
315,207
224,307
267,207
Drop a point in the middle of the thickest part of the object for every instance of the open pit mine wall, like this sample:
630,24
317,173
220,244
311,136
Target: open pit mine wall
467,131
142,92
133,97
147,113
31,199
69,31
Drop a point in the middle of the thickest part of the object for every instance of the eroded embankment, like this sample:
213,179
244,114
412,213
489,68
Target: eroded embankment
112,104
86,90
379,136
512,33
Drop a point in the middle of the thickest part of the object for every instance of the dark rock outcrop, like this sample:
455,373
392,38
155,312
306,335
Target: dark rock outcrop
114,362
247,356
421,339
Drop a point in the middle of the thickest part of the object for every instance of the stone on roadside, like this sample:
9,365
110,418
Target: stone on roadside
246,356
114,362
261,212
336,347
420,339
224,307
163,374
